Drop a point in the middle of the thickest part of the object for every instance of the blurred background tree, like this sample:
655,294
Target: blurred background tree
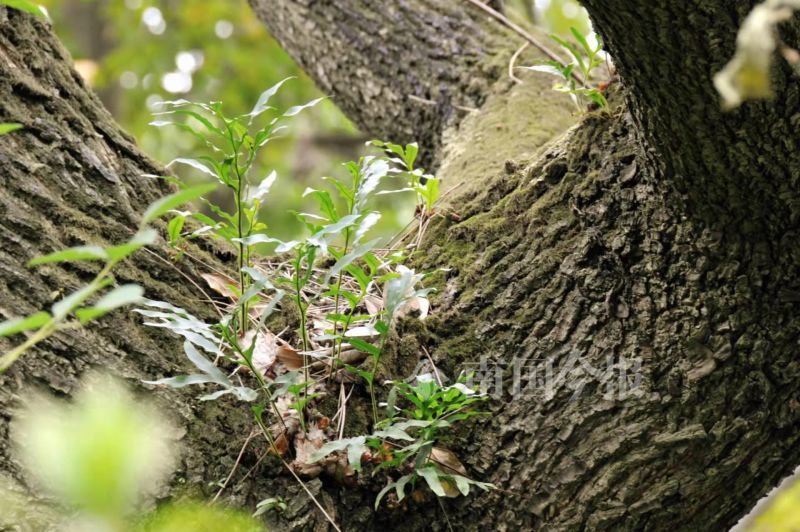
136,53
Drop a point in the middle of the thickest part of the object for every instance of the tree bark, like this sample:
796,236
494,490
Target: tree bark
592,255
664,236
72,177
401,70
736,169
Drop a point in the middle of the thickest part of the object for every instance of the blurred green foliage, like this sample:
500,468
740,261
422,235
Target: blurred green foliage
136,53
98,457
555,16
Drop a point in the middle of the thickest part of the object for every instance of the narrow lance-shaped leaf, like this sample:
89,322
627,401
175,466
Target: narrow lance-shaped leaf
264,239
76,254
263,100
262,189
166,204
66,305
123,295
194,163
357,253
8,128
205,365
143,238
18,325
299,108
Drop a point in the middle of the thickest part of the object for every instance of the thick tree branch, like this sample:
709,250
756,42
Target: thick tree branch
738,169
400,70
72,177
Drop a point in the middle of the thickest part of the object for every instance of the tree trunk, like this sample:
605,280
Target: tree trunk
72,177
614,251
658,242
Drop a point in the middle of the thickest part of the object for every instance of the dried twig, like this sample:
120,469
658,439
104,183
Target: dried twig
252,435
516,28
209,299
513,62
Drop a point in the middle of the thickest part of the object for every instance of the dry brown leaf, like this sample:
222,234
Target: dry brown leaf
281,444
289,357
305,445
450,488
447,461
221,285
265,352
374,304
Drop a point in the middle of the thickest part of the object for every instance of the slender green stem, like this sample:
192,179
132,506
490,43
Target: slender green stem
303,319
240,232
243,316
271,441
262,383
51,326
338,347
375,361
9,358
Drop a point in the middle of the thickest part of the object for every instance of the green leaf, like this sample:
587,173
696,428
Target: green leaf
394,433
383,492
145,237
355,254
263,100
572,49
197,116
597,97
363,346
462,484
328,448
166,204
547,69
364,374
262,189
65,306
25,5
582,41
431,476
76,254
18,325
355,449
325,201
118,297
174,228
411,155
283,247
299,108
194,163
181,381
401,486
8,128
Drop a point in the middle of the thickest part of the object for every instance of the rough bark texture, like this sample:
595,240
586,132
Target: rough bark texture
584,256
402,70
589,251
737,169
72,177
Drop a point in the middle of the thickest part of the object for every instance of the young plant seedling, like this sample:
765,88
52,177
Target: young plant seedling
586,59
